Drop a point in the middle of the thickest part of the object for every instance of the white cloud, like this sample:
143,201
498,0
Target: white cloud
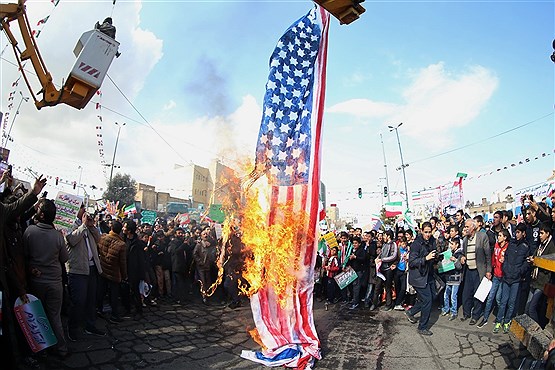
435,101
170,105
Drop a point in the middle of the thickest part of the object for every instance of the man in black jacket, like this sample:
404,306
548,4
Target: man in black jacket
179,265
359,262
135,263
421,276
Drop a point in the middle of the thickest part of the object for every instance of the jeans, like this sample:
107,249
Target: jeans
400,278
104,285
356,287
471,306
450,302
388,288
494,295
534,305
331,289
82,290
423,305
508,302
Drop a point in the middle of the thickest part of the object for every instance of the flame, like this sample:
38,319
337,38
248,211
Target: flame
272,250
255,335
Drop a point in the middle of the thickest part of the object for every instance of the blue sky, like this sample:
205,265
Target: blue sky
453,72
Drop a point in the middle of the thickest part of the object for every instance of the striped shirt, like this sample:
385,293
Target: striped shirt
471,253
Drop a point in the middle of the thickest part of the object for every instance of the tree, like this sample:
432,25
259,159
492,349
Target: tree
122,188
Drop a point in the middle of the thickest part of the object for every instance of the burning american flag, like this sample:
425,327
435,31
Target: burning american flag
288,154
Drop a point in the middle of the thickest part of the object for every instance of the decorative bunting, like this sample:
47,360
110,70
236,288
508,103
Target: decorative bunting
43,21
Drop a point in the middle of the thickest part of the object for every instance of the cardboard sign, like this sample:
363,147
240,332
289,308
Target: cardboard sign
345,278
148,217
446,264
330,239
67,206
34,324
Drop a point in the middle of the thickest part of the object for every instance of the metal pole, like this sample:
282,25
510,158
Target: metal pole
115,150
80,175
402,162
385,167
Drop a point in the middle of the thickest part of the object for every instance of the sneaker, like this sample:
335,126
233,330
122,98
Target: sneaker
472,322
444,313
398,308
506,327
410,317
496,328
424,332
452,317
373,308
464,318
353,306
387,308
482,323
115,320
95,331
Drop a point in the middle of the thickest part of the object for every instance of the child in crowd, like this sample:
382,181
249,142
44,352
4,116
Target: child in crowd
332,268
453,280
400,277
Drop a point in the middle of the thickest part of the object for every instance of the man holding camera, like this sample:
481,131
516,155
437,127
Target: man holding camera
477,259
83,267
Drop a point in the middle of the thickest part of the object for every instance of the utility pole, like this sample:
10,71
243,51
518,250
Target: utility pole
391,128
385,167
115,150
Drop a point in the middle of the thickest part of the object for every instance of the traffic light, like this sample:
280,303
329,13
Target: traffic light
385,191
360,193
74,185
57,179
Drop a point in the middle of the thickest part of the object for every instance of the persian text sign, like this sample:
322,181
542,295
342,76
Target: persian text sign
67,206
34,324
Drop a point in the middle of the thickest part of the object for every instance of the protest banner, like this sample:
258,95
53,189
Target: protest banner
330,239
148,217
67,206
345,278
446,264
34,324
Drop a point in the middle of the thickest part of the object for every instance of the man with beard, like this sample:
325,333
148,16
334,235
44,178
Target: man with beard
421,276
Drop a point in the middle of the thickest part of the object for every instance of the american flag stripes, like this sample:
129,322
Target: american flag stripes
288,153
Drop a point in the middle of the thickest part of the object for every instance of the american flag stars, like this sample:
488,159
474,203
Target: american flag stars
284,139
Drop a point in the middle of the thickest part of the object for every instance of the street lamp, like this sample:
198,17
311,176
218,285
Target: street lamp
115,150
385,167
391,128
80,175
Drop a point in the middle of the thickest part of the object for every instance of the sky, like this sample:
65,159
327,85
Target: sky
471,82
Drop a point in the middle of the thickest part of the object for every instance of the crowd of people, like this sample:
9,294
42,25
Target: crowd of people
445,261
111,268
103,267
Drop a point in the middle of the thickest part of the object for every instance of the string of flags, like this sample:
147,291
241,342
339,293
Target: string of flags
7,114
99,136
42,22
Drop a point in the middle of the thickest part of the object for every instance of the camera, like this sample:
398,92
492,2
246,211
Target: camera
439,257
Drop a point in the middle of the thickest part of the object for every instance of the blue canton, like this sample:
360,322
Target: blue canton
284,140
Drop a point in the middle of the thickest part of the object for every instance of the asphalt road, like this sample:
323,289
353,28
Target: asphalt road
195,336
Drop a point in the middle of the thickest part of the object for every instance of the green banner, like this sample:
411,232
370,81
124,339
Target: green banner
216,213
148,217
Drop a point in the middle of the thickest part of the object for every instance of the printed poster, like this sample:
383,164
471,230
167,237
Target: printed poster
67,206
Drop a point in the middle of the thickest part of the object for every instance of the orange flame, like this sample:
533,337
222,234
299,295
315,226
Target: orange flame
255,335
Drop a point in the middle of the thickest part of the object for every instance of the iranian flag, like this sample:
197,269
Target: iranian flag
393,209
130,209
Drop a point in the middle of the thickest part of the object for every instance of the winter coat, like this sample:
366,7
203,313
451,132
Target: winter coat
483,253
543,276
515,265
420,270
389,255
360,263
177,252
45,250
78,261
113,257
204,255
136,265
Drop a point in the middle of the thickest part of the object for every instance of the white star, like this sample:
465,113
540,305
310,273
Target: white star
298,73
279,44
291,47
286,69
282,156
279,114
296,93
282,54
307,45
290,81
269,111
313,53
293,61
305,113
283,90
302,137
274,170
271,125
300,25
289,142
289,170
275,99
297,41
293,116
284,129
301,167
278,75
276,140
306,63
314,38
264,139
302,35
271,85
274,63
309,71
269,153
301,53
296,153
287,103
